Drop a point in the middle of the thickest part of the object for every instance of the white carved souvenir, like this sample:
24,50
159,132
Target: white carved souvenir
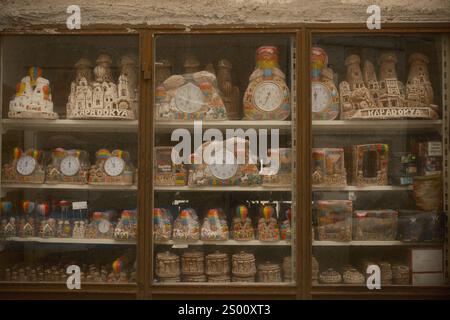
33,98
103,98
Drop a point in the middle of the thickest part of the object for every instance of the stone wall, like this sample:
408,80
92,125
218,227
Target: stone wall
26,13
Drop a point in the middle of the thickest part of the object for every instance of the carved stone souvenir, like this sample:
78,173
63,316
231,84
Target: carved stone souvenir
285,228
354,95
166,172
353,276
267,96
278,172
193,263
392,92
200,278
329,167
324,95
68,166
237,168
369,164
217,266
330,276
112,168
370,80
163,70
243,266
386,272
214,226
102,98
129,69
100,226
8,228
168,267
33,99
162,224
268,229
334,219
229,92
375,225
269,272
400,274
186,226
287,269
242,228
192,96
25,167
26,227
126,228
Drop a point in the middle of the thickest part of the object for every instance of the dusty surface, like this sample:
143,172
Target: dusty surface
26,13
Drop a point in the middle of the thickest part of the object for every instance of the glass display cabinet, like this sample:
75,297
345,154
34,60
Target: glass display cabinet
69,160
379,170
224,155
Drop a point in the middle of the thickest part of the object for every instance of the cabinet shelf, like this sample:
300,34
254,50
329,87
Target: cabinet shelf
68,125
220,189
371,126
87,187
373,243
168,126
362,189
69,241
182,244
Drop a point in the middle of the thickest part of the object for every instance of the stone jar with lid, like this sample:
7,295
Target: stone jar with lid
269,272
167,266
217,264
243,265
193,263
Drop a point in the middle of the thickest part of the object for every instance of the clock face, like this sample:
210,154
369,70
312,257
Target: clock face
104,226
114,166
268,96
69,166
189,98
320,96
224,171
26,165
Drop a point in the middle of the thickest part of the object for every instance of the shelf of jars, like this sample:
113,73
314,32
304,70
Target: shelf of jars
183,244
371,126
59,186
70,125
374,243
69,241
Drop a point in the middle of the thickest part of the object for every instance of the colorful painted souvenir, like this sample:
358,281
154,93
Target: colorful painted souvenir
100,226
25,167
126,228
162,224
278,174
192,96
329,167
334,219
166,172
285,228
214,226
8,227
186,226
324,95
33,99
369,164
103,98
267,96
68,166
375,225
47,228
242,225
112,168
238,166
268,229
26,227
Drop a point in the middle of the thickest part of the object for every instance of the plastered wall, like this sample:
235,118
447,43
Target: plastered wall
26,13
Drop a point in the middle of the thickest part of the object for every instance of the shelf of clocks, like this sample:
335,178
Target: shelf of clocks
374,126
184,244
361,189
318,243
87,187
170,125
68,125
221,189
68,241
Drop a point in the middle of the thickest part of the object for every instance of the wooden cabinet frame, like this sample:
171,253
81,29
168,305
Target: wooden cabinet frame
144,289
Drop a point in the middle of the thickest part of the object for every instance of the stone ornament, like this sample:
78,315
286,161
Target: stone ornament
166,172
228,173
24,167
103,98
33,99
287,269
215,226
217,267
324,95
193,264
330,276
269,272
353,276
268,228
375,225
229,92
334,219
400,274
242,228
329,167
280,175
192,96
369,164
162,224
112,168
267,96
419,91
126,228
243,267
168,267
68,166
186,226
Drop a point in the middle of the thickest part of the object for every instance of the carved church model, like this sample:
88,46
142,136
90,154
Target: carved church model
102,98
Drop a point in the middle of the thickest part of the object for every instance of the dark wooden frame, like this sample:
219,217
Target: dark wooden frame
144,289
